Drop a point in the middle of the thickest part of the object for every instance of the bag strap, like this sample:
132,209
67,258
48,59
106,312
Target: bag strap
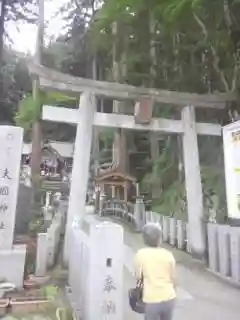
140,281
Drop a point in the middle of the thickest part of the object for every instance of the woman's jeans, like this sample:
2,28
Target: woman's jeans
159,311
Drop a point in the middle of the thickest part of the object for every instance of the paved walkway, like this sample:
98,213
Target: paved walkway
201,295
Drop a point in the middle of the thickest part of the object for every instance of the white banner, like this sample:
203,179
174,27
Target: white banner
231,139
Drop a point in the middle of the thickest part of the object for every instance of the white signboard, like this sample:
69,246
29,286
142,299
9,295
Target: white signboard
10,158
231,141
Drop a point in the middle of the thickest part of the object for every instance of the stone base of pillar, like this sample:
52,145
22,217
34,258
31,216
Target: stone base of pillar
12,263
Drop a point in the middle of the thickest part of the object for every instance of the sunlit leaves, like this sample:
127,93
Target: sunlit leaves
30,109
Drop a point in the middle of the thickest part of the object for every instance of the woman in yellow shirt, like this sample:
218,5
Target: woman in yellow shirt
157,267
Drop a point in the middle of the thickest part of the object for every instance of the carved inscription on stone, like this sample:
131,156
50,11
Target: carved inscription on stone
11,147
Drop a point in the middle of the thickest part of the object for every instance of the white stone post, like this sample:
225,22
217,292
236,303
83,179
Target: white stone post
41,258
139,213
172,231
105,287
96,270
137,189
213,252
181,234
165,222
48,199
113,191
224,250
193,183
235,253
81,163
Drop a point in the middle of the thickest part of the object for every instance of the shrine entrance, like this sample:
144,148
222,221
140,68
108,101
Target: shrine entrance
86,117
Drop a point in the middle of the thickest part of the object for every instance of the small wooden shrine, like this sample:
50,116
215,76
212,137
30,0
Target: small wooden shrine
115,184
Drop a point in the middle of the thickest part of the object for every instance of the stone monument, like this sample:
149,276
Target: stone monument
12,258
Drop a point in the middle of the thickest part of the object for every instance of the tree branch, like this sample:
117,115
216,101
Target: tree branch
214,53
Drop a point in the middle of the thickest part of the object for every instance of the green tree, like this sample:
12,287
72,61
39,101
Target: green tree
16,83
12,11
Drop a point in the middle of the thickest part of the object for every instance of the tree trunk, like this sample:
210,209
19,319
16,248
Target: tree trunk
2,17
154,145
36,157
119,71
36,152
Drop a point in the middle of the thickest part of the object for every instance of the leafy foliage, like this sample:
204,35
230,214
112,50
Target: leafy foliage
30,109
16,83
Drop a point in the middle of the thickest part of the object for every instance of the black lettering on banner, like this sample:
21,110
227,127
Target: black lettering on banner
4,191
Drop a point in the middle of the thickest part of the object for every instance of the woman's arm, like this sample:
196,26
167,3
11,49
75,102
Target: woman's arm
173,272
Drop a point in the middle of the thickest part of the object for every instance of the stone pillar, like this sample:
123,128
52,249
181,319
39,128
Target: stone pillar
104,294
165,231
139,213
235,253
101,203
96,295
113,192
81,163
12,258
41,259
181,234
48,199
224,249
11,149
213,256
137,189
125,191
193,183
172,231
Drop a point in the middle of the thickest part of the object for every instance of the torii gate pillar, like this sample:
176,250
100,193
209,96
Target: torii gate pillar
193,184
80,170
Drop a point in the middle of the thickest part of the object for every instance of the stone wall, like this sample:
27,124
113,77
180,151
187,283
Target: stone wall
48,243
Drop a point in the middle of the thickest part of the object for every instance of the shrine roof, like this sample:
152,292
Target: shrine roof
114,175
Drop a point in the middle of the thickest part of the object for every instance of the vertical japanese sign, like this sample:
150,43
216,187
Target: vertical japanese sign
10,159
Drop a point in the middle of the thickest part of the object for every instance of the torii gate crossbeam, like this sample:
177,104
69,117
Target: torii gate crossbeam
111,120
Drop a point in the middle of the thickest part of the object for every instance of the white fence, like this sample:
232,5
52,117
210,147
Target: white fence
224,250
174,232
223,243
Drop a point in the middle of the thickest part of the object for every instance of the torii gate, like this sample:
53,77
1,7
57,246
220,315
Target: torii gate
86,117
